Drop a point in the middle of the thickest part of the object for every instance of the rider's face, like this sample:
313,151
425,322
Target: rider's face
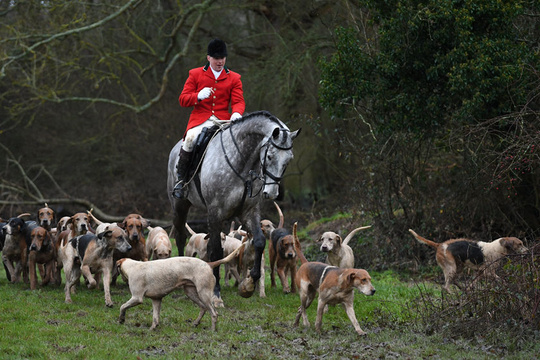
216,63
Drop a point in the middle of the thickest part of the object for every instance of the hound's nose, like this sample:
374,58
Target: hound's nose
33,247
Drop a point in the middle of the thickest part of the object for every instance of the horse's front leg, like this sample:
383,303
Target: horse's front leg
247,287
181,209
215,252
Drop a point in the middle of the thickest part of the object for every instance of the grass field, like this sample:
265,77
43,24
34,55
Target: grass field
39,325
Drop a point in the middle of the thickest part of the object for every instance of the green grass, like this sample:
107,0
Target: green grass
39,325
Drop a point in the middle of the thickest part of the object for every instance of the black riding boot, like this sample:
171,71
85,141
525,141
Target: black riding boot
182,171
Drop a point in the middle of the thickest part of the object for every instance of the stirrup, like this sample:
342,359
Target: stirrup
178,190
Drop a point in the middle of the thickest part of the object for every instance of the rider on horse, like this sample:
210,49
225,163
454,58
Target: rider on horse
210,93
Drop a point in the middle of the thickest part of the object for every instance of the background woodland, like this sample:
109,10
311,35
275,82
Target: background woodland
414,114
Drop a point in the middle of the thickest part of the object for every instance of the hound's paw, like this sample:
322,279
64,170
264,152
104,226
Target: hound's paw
218,302
246,287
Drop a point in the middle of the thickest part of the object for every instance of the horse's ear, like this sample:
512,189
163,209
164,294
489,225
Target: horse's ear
296,133
275,133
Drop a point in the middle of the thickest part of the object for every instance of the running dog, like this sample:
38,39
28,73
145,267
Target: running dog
334,285
77,224
156,279
41,252
456,254
17,241
338,252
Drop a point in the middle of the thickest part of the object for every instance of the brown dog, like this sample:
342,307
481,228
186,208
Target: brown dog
156,279
334,285
282,255
15,252
338,252
134,225
158,244
41,252
456,254
46,217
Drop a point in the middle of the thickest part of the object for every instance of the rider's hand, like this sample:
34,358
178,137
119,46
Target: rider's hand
204,93
235,116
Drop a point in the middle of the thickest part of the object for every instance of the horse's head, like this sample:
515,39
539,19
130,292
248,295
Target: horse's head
275,156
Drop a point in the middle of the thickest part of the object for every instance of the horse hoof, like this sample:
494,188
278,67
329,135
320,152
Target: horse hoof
247,287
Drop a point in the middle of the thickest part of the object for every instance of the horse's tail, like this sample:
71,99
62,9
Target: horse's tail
281,218
297,245
228,258
190,229
349,237
424,240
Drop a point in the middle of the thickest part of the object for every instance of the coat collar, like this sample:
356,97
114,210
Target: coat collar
207,66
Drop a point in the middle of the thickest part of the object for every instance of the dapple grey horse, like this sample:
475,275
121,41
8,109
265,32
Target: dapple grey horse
243,165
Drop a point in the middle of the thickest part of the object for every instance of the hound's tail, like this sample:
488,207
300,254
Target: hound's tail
190,229
297,245
226,259
281,218
424,240
349,237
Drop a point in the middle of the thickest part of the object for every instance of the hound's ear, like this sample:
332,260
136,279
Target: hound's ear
106,233
319,239
145,223
48,239
123,225
349,280
296,133
339,240
207,237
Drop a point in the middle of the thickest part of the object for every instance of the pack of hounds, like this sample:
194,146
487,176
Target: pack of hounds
142,254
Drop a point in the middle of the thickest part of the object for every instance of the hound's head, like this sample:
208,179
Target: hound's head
360,280
286,247
134,228
267,227
116,238
329,241
46,217
80,223
513,245
40,239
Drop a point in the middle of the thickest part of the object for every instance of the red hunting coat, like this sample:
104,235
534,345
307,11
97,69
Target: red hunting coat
227,90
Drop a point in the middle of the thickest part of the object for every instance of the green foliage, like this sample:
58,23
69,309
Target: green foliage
437,62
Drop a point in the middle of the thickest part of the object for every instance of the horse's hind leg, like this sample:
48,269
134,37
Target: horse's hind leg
181,209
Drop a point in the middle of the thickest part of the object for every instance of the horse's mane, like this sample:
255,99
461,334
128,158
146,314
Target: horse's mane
259,113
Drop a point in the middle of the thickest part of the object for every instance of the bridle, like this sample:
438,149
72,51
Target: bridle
252,174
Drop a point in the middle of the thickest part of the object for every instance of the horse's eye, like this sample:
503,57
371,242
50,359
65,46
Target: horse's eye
269,157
